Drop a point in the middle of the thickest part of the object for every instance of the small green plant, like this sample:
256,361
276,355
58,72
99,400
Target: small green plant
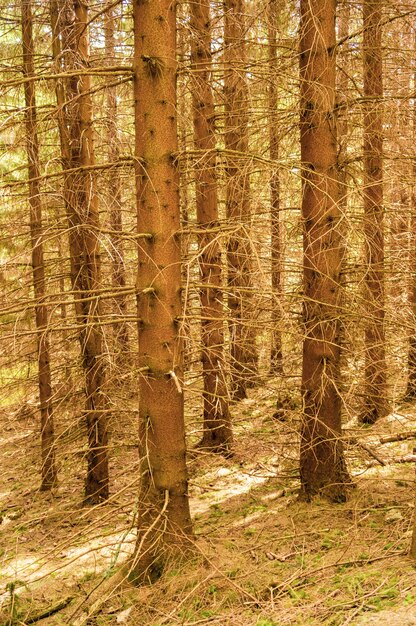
254,508
86,577
14,601
216,511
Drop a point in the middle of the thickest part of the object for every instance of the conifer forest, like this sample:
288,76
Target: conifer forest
208,312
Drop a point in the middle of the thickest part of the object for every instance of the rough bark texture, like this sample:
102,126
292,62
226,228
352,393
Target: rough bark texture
217,434
241,324
322,466
343,139
375,383
276,356
48,470
82,212
411,359
164,517
121,333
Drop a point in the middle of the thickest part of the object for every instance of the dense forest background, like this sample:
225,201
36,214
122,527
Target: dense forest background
208,324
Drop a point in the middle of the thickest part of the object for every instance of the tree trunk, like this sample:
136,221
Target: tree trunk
48,470
411,359
240,299
276,356
83,222
343,139
375,383
121,333
217,434
164,517
322,466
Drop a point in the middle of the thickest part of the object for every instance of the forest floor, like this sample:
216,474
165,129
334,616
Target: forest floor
262,557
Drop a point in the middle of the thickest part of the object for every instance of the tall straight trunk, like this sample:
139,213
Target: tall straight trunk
375,383
322,466
411,359
276,356
69,20
48,470
115,196
217,434
164,518
241,324
342,109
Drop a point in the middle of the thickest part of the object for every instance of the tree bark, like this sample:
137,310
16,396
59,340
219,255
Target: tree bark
217,435
164,517
48,470
322,465
240,301
411,359
121,333
342,120
375,383
276,356
69,20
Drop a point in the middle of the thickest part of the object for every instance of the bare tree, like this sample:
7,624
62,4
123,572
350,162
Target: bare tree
164,517
322,466
240,301
276,357
70,31
411,359
48,470
115,194
217,434
375,391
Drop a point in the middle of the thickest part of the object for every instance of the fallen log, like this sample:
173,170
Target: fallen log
410,434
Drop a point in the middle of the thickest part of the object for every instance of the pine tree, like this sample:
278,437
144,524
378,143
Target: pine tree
217,434
375,391
322,466
48,470
70,36
241,328
164,517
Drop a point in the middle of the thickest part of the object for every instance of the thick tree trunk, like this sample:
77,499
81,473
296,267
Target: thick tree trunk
322,466
375,383
69,19
121,333
164,517
240,299
217,434
276,356
48,470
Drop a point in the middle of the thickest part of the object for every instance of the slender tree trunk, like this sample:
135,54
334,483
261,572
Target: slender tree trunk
276,356
342,110
240,301
375,383
322,466
164,517
82,212
48,470
411,359
217,434
115,197
412,550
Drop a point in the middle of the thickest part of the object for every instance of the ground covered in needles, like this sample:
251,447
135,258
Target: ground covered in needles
262,558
